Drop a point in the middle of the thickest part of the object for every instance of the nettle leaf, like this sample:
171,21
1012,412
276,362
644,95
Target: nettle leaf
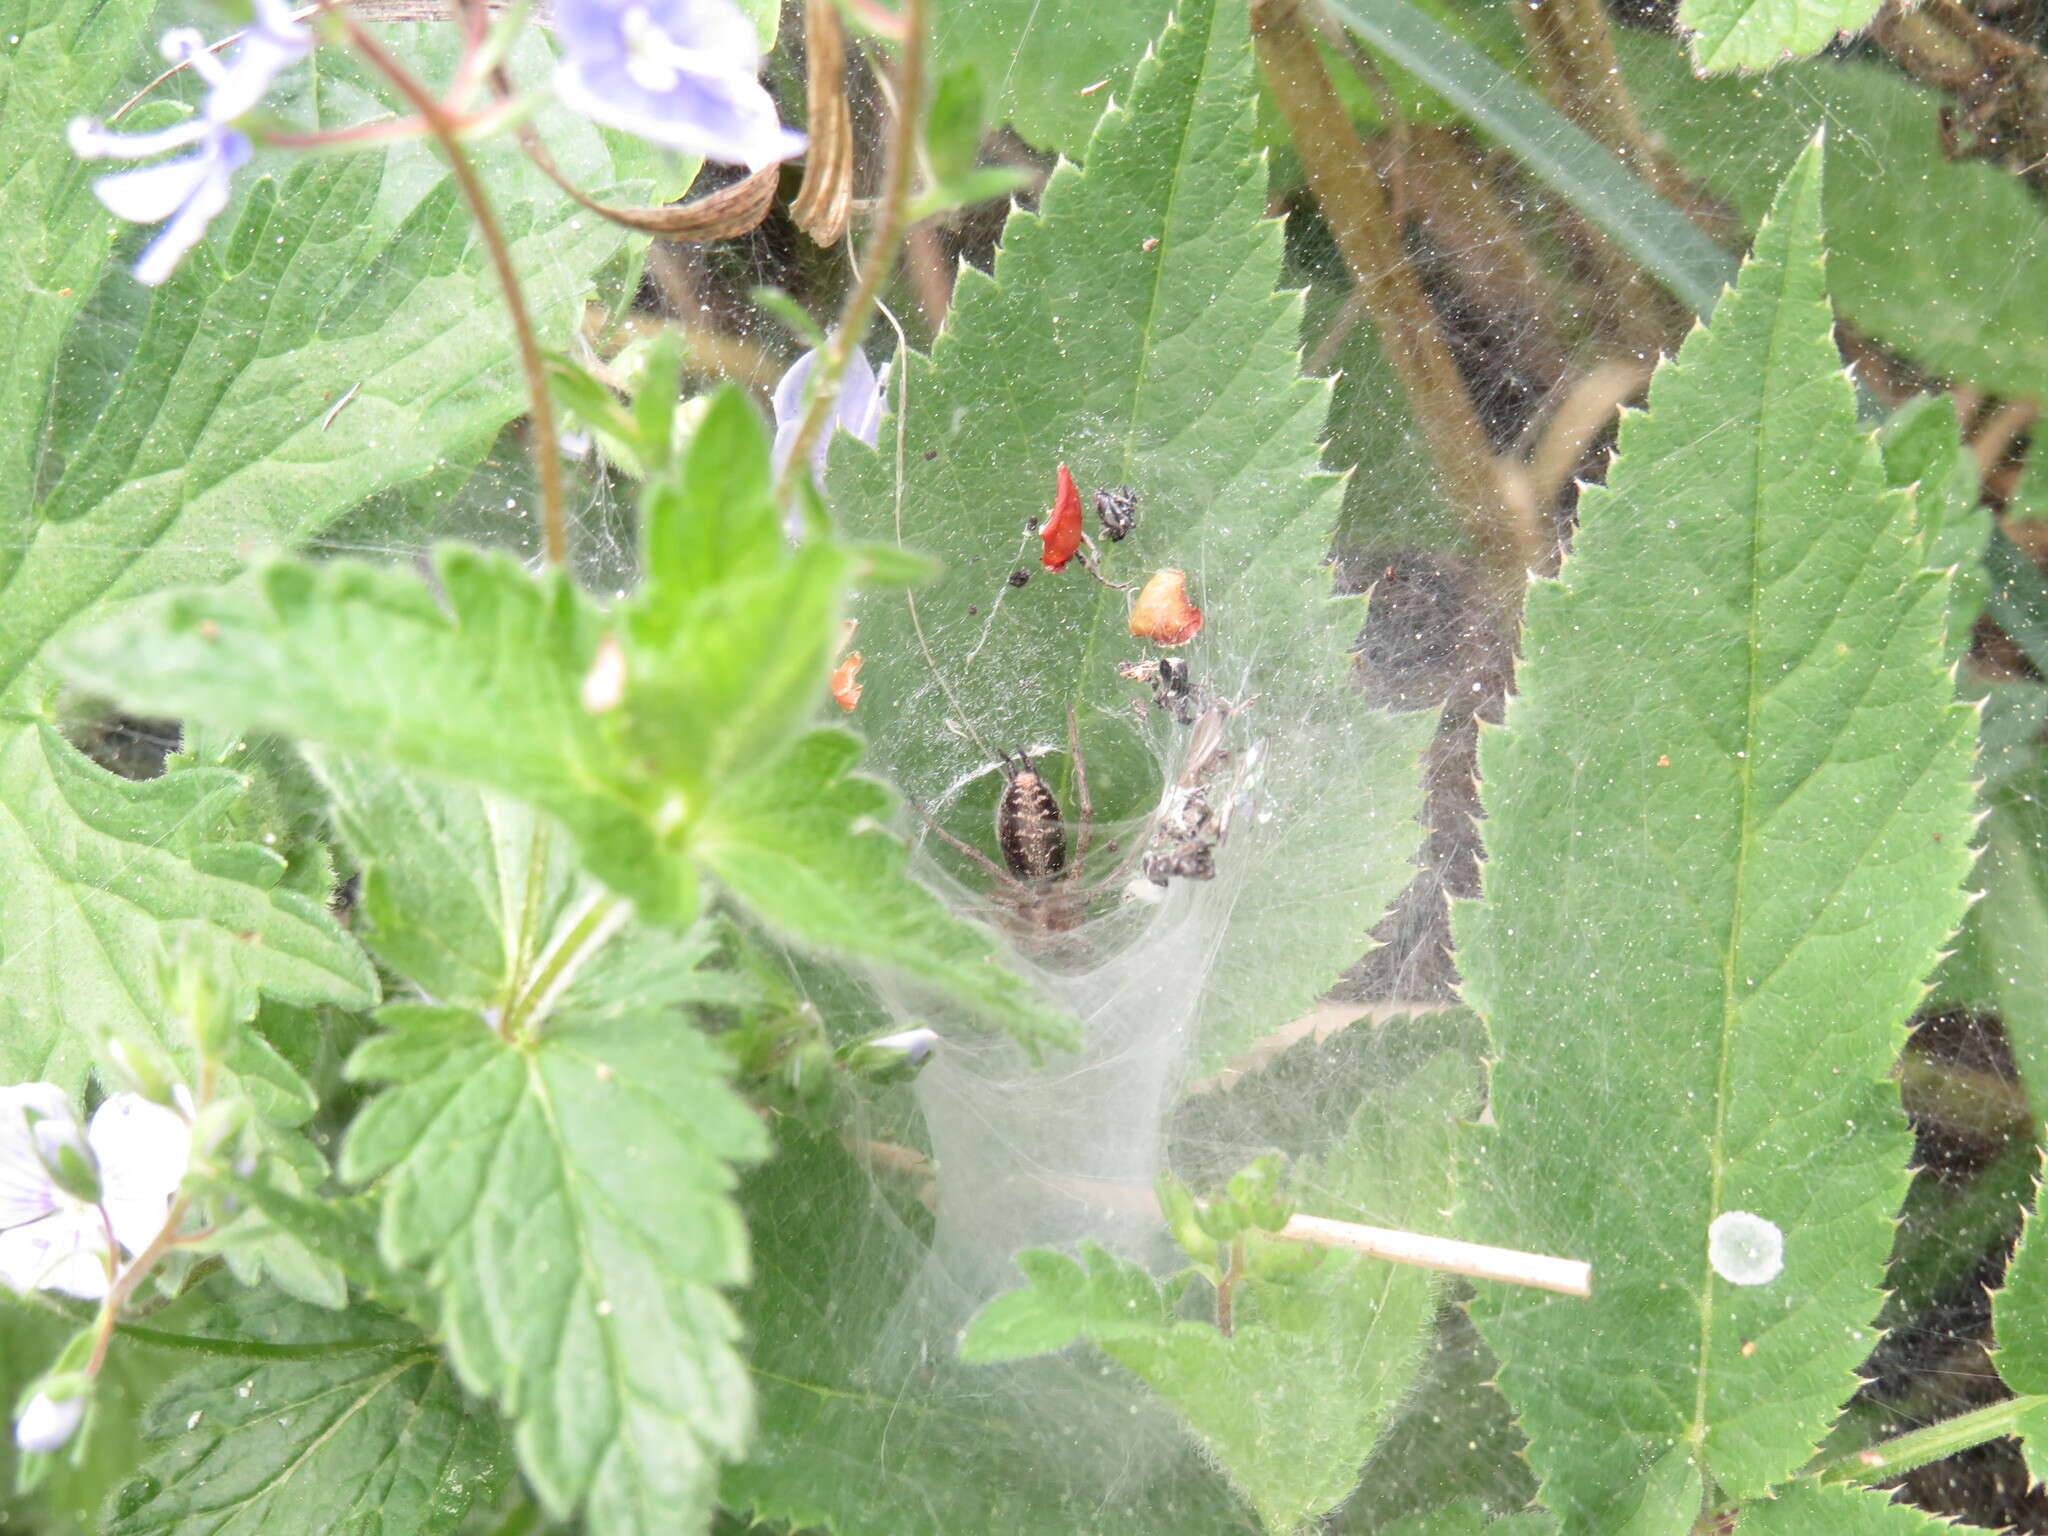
1923,449
375,1439
721,656
1048,70
1728,822
1289,1430
1131,330
202,429
1831,1509
98,874
2019,1322
568,1195
59,57
1922,247
1756,34
857,1440
150,438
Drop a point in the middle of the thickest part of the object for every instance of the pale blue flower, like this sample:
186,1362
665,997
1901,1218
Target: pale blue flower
184,195
859,412
682,73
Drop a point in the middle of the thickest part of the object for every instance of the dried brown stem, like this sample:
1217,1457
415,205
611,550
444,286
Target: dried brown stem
1999,82
1355,206
826,196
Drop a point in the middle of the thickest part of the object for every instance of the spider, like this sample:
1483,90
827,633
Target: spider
1041,896
1038,892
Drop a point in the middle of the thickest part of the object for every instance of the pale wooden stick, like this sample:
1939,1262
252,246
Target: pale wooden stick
1540,1270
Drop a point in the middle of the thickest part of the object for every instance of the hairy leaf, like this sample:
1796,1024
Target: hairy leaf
488,690
569,1198
375,1439
98,874
1923,448
1830,1509
1922,248
1048,70
1290,1430
1757,34
1131,330
1728,824
206,427
863,1437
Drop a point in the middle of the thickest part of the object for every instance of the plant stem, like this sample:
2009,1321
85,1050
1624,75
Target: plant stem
124,1283
881,253
589,933
547,457
1888,1458
1355,206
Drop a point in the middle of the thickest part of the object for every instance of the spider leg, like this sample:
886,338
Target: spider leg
1001,876
1087,828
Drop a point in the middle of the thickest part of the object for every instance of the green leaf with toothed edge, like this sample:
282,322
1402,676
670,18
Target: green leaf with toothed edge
720,656
1728,824
377,1439
1132,330
569,1199
1289,1426
99,873
1756,34
1830,1509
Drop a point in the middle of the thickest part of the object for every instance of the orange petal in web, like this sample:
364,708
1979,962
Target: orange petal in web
1062,530
1163,614
846,682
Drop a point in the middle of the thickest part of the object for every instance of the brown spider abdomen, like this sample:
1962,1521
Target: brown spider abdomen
1030,831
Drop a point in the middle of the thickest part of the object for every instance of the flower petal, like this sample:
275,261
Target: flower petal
261,54
27,1192
143,1151
65,1251
860,398
184,230
787,401
94,141
153,192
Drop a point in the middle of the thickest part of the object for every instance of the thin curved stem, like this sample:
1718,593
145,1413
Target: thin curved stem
881,252
547,457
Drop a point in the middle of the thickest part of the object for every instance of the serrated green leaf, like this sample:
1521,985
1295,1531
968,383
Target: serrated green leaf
801,843
1727,825
1922,248
59,58
1757,34
1036,61
865,1436
98,873
1829,1509
2019,1323
206,430
489,691
1923,448
372,1440
1289,1431
1131,330
569,1201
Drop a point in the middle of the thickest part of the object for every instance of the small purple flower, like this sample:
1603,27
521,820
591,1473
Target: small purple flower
682,73
185,194
860,406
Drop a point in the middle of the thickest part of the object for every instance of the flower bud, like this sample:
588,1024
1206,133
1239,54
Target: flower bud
890,1058
50,1418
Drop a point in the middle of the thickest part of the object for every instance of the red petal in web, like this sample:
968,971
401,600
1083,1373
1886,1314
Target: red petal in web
1062,530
